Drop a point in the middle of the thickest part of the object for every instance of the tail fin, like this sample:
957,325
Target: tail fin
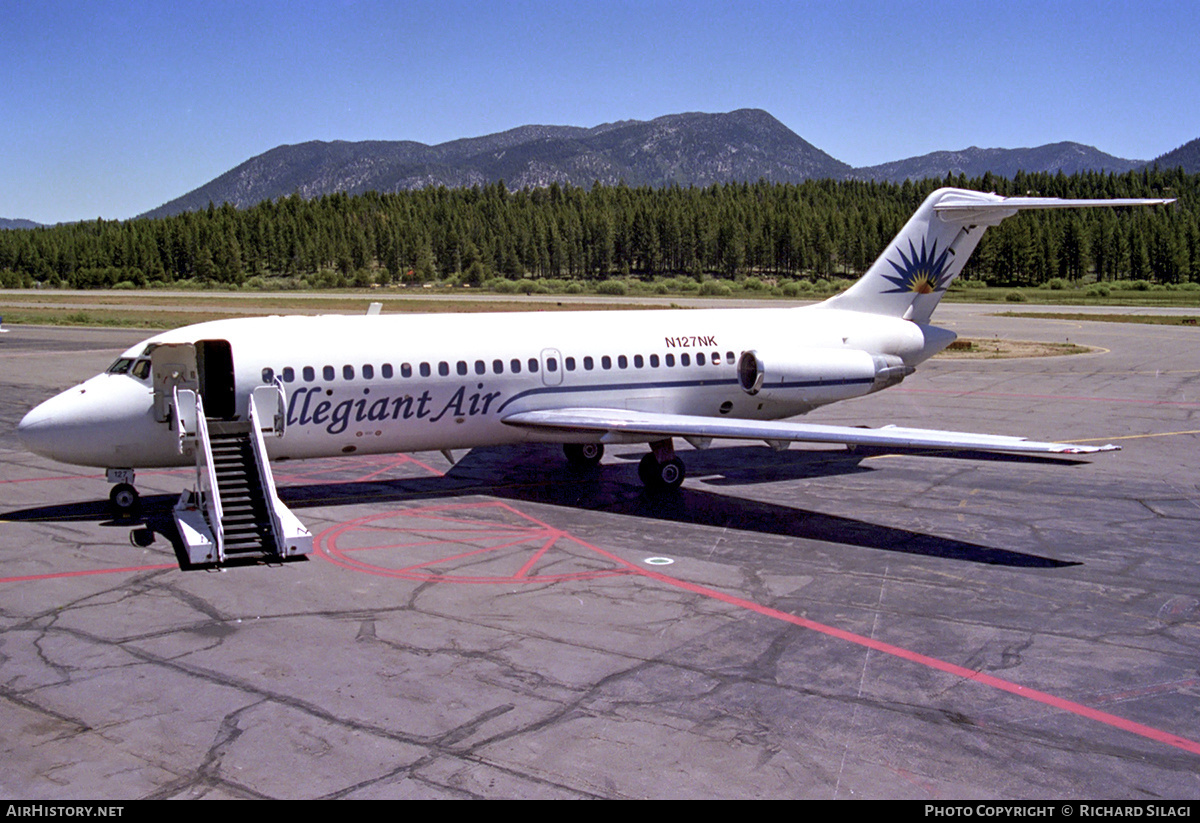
910,277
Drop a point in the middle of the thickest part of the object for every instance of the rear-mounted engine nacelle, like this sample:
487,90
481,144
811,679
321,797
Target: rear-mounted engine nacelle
823,374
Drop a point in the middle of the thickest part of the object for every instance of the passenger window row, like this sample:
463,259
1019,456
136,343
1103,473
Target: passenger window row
514,366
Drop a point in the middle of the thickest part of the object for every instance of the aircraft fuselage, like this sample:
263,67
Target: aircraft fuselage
396,383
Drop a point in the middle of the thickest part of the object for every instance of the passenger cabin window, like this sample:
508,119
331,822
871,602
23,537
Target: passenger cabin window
638,361
516,366
551,364
327,372
570,363
669,359
405,370
289,374
498,367
347,372
606,362
443,368
533,366
268,375
700,358
386,371
368,372
480,367
654,361
685,359
462,367
425,370
588,364
622,362
309,374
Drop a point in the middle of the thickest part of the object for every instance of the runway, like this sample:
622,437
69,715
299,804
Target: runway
807,624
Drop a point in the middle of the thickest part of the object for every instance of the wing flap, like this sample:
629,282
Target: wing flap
651,426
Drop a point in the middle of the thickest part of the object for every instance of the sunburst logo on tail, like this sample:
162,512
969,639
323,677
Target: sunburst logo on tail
922,272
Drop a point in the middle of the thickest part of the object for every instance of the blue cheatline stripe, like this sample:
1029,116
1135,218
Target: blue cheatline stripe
679,384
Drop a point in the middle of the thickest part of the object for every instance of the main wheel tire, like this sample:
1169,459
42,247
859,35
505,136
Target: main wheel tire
583,454
124,500
671,474
648,471
665,476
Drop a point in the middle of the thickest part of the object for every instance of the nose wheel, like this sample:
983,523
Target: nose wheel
124,500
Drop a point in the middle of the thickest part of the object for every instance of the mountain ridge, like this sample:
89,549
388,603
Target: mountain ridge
1067,157
692,148
686,149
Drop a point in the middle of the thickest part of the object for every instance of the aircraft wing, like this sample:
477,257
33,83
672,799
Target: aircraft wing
622,425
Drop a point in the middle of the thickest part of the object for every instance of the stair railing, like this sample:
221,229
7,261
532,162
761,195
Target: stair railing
192,425
264,401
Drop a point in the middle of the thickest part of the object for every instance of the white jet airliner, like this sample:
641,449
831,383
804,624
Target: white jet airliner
338,385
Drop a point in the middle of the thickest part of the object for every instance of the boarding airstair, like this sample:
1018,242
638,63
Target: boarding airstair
234,512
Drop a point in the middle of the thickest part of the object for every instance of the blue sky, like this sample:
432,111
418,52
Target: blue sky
109,109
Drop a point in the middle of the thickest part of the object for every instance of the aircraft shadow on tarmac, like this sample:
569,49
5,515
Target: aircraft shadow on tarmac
539,474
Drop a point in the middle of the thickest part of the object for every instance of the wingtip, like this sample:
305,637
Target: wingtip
1108,447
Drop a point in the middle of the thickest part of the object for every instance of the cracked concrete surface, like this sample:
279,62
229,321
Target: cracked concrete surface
496,633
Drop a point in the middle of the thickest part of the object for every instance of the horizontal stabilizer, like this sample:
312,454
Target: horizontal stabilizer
970,207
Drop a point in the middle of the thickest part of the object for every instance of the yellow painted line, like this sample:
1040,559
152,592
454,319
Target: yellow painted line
1132,436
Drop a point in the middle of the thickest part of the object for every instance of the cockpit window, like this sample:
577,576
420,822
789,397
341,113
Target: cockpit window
121,365
141,369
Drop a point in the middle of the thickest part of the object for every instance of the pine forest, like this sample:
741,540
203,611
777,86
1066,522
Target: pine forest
490,236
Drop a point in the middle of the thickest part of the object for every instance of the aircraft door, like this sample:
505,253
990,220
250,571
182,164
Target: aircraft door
552,367
172,365
214,367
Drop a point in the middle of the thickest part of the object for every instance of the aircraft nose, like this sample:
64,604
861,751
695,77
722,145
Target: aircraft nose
56,427
105,422
36,429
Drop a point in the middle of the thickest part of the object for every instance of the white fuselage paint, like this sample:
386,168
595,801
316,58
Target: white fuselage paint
109,420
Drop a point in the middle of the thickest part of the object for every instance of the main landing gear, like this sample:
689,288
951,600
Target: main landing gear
583,454
661,470
123,499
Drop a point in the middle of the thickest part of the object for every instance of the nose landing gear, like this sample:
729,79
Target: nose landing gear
123,499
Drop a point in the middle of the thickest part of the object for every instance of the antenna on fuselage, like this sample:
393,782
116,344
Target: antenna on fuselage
374,308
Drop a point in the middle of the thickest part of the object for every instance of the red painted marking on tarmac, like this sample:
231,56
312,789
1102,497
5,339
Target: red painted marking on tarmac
334,465
508,535
325,546
464,555
53,477
1062,704
1019,396
81,476
87,572
553,535
538,555
425,466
